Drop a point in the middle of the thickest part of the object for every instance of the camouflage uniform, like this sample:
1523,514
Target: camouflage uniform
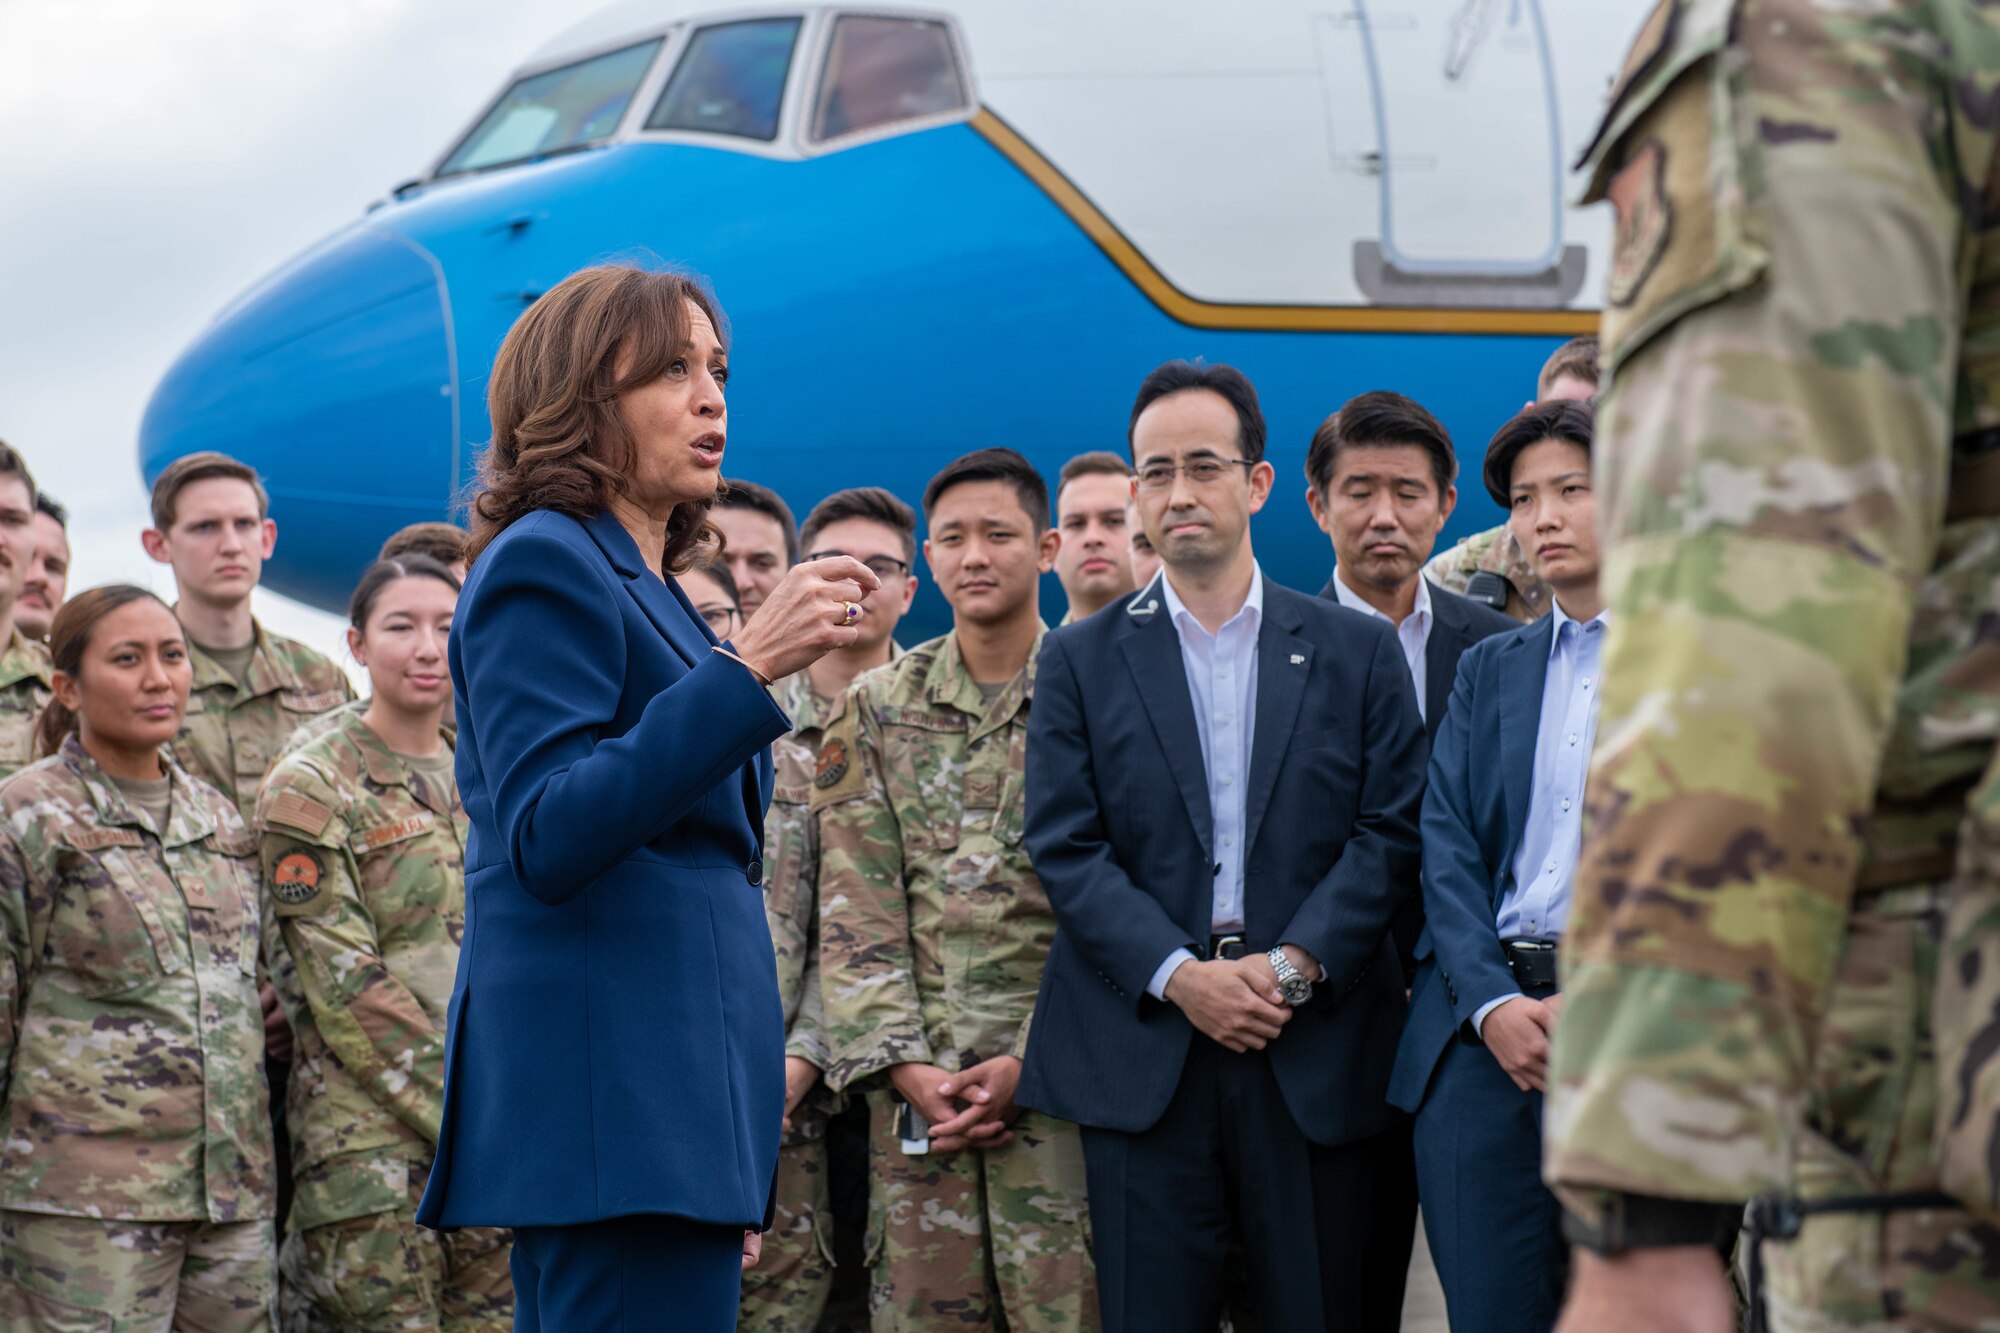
135,1159
934,931
364,881
787,1291
1493,551
315,727
1799,491
234,735
24,689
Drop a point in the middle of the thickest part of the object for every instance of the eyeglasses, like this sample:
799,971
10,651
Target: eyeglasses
721,619
883,567
1199,472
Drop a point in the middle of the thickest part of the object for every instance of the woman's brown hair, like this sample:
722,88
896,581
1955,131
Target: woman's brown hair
69,639
558,440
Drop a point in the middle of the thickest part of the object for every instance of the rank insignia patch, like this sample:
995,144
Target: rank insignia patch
295,876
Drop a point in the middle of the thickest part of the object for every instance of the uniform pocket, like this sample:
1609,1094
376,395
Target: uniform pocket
1677,155
108,928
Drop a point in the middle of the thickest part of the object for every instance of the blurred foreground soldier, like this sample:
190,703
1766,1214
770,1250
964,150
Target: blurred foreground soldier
48,572
363,845
252,688
1490,566
1094,564
1793,847
1223,787
135,1160
1502,818
934,930
760,539
790,1288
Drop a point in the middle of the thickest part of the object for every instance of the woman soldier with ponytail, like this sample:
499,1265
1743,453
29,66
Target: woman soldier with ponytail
135,1139
364,877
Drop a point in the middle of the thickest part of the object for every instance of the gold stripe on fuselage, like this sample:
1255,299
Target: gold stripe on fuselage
1260,318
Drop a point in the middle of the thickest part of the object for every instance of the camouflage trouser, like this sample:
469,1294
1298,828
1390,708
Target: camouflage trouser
979,1239
1869,1130
382,1273
82,1275
787,1291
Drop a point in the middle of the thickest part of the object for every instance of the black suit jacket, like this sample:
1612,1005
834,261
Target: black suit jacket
1119,826
1456,624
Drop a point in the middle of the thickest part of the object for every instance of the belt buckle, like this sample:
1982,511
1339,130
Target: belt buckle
1219,946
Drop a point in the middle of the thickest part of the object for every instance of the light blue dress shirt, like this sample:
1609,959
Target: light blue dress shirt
1536,903
1222,681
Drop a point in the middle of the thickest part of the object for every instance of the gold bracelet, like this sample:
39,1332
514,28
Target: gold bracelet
762,679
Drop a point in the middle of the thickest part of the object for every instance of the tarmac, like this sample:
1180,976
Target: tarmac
1423,1299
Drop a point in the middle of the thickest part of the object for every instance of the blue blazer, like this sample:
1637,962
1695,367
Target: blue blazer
614,1043
1119,826
1481,774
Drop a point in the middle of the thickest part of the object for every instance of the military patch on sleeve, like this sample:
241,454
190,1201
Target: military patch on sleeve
833,765
303,813
1645,221
296,875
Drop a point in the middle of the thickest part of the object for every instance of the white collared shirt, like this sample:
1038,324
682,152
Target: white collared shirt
1414,633
1222,683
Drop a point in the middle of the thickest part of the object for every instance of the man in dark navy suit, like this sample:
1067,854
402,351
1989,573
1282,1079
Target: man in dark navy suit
1381,481
1223,780
1502,820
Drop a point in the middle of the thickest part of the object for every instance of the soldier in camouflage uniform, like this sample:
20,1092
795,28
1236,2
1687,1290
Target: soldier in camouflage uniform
24,665
252,688
1792,805
934,932
796,1285
136,1183
364,879
1569,373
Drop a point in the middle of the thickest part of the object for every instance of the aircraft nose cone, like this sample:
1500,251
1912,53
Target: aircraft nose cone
335,380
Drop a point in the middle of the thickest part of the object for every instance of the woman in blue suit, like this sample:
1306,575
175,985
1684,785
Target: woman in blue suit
614,1059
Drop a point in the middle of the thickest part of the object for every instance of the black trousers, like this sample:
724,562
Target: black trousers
1323,1235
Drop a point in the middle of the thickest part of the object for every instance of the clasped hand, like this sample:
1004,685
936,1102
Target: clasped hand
1233,1001
1518,1031
973,1108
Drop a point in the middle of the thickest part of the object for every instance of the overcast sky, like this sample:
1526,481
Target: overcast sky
155,160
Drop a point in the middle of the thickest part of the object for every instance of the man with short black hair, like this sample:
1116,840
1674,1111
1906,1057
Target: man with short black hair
793,1284
934,931
1381,482
48,571
24,663
1502,828
1223,784
1094,564
760,539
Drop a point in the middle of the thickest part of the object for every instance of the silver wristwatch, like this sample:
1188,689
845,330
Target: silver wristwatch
1291,981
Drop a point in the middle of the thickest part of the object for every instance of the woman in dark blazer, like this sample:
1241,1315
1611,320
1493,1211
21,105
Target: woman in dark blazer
614,1056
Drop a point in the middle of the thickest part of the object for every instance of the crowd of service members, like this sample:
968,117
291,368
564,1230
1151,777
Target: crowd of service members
232,897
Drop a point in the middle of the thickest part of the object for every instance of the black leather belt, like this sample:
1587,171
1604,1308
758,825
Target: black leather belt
1533,962
1226,946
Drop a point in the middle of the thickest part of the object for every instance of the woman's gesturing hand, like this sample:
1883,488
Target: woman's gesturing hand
806,616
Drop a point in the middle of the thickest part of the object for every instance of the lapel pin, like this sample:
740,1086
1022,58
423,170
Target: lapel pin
1298,659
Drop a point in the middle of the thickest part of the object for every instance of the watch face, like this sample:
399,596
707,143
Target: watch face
1297,990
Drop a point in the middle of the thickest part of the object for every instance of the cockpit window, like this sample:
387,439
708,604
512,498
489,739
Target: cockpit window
882,70
556,109
731,81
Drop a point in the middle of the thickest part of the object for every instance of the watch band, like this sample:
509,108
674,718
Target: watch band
1648,1222
1288,975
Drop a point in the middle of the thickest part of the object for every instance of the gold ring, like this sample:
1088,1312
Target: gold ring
853,614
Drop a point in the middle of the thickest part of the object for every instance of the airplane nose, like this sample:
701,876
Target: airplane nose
335,380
